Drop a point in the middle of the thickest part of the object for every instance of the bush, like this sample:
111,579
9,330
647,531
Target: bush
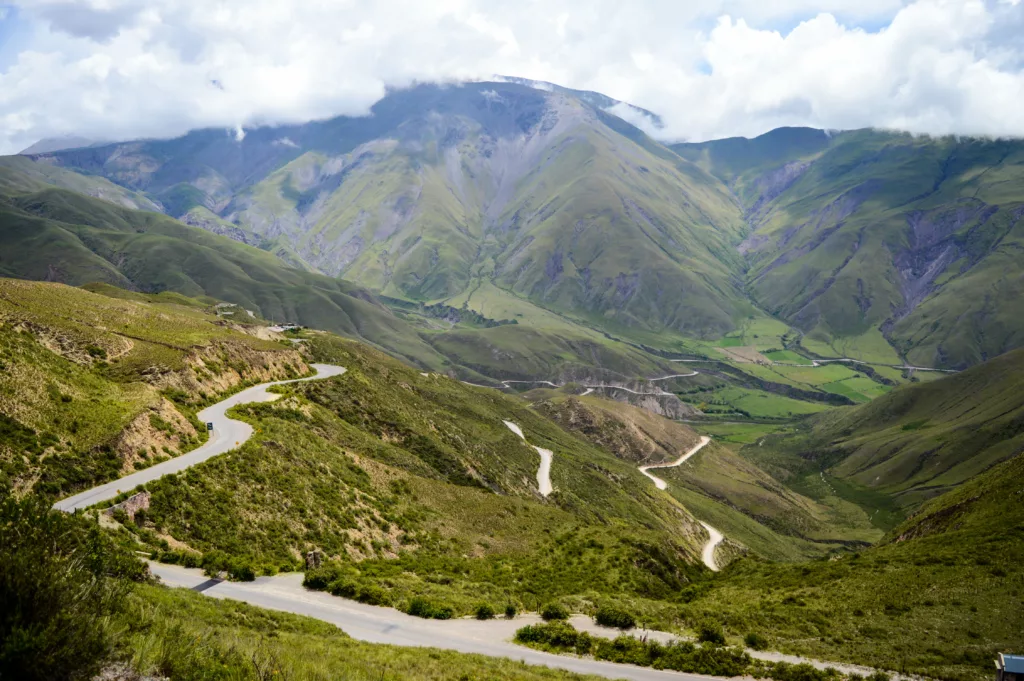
756,641
374,595
484,612
556,636
61,581
510,611
421,607
782,671
614,616
554,611
711,632
243,572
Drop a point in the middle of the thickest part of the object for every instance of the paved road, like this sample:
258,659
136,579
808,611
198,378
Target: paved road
386,625
227,435
544,470
714,536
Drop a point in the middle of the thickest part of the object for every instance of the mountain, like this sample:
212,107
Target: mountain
868,238
528,199
539,194
51,144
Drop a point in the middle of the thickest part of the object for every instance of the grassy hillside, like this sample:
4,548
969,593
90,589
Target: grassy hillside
864,236
94,387
57,235
411,485
940,597
751,508
919,440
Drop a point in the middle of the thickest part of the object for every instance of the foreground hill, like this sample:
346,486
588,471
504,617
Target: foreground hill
940,597
403,480
863,234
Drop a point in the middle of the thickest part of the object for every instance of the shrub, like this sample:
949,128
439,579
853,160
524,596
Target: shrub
614,616
421,607
61,581
554,611
484,612
711,632
557,636
243,572
374,595
510,611
756,641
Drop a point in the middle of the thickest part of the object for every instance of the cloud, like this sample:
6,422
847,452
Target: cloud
121,69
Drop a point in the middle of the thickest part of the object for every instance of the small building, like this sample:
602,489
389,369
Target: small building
1010,668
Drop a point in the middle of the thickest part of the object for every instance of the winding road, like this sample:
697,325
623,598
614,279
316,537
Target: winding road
544,470
227,434
377,624
714,536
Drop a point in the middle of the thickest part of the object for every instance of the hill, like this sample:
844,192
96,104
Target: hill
919,440
94,387
864,236
939,597
718,486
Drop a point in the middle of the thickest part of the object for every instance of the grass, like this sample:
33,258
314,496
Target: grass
940,602
190,636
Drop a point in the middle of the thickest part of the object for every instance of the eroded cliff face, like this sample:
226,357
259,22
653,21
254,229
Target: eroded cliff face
221,367
160,431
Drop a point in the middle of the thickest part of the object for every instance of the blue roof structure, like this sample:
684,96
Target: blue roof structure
1013,663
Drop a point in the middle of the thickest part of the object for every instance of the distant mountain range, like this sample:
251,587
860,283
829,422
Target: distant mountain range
494,196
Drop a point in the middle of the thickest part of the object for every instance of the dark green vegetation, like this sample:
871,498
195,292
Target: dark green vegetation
61,582
866,234
710,657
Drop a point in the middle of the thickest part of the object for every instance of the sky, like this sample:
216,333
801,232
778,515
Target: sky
125,69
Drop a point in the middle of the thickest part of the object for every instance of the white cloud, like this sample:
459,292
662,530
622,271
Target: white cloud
134,68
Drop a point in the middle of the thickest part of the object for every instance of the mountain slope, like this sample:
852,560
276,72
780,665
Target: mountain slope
924,439
541,193
866,233
57,235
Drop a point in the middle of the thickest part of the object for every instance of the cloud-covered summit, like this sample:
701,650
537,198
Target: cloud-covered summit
121,69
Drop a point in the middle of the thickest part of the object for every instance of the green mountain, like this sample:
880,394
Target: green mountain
540,194
865,236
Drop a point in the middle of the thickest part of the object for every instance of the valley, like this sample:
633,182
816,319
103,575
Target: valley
492,350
